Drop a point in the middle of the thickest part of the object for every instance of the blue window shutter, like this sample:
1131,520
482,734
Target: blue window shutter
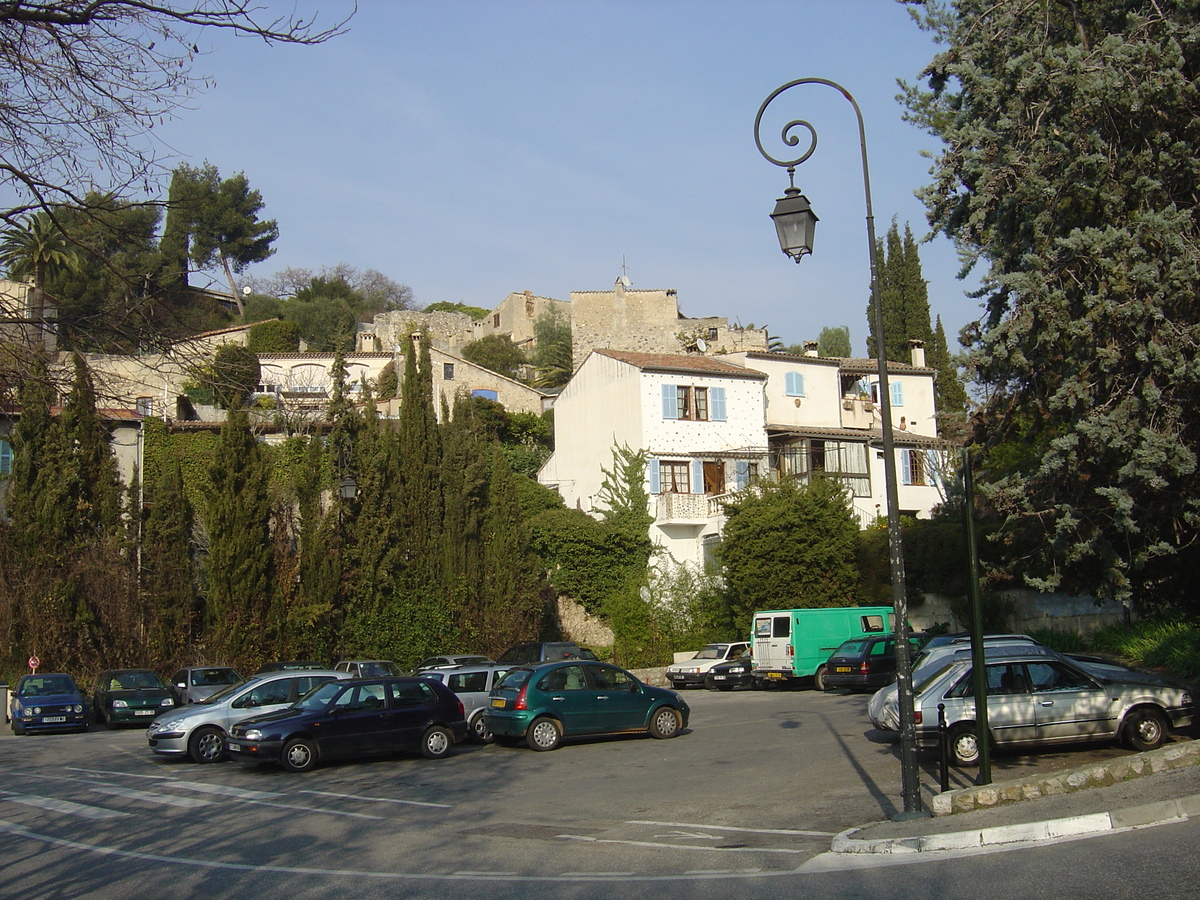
794,384
897,393
5,457
741,473
655,484
670,401
906,467
697,477
716,397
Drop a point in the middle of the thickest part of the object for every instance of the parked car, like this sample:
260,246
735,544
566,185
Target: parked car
199,731
369,668
1035,700
472,685
289,666
725,676
451,660
47,703
125,696
532,652
545,703
868,663
194,684
692,672
354,718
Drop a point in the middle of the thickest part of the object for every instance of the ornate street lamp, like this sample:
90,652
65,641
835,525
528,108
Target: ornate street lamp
795,223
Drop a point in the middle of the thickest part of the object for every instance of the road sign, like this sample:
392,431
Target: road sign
34,662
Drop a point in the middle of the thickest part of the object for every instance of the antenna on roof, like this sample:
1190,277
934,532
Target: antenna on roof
624,279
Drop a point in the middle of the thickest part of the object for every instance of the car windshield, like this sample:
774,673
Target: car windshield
932,677
318,698
44,686
850,648
376,669
214,677
135,681
712,651
225,692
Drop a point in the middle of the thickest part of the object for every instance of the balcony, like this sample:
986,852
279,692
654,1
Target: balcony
683,509
857,412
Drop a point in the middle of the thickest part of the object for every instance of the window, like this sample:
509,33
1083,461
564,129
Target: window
568,678
673,477
683,401
872,624
448,371
708,552
912,467
793,384
5,457
699,404
700,396
897,390
608,678
144,406
468,682
486,394
496,320
712,334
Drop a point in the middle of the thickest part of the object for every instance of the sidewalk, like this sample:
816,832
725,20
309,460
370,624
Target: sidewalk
1143,789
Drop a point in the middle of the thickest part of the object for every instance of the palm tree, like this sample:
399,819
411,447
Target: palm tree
35,247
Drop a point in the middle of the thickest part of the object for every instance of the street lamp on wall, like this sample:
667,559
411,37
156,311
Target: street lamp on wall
795,223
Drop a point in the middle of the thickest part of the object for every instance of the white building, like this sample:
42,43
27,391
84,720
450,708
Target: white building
712,426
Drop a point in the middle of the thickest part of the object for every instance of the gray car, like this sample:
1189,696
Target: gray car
1039,700
471,684
194,684
199,731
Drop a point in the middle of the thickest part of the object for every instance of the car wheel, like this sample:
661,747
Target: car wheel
819,679
17,727
299,755
437,742
964,745
544,734
478,730
207,744
665,722
1145,729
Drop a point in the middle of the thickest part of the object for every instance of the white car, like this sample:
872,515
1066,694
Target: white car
692,672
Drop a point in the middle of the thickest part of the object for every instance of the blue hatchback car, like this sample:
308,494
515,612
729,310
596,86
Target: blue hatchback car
46,703
545,703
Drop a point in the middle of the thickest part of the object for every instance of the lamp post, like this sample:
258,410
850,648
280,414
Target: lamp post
795,223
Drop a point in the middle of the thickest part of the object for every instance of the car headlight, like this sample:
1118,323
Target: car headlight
737,670
167,701
77,708
172,725
120,704
253,734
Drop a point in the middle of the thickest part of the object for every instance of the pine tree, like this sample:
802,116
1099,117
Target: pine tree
237,520
950,397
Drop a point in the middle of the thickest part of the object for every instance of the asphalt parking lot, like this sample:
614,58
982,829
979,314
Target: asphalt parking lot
758,784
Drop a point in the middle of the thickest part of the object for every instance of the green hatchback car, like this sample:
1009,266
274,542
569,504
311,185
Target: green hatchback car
543,704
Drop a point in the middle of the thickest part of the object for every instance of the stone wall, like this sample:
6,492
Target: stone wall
578,625
391,330
1028,611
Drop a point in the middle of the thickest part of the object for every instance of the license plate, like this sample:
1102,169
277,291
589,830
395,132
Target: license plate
144,712
774,674
234,748
498,702
842,669
51,719
719,678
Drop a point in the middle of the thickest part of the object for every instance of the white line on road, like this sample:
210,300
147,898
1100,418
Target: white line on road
223,790
733,828
657,844
122,774
379,799
61,806
148,797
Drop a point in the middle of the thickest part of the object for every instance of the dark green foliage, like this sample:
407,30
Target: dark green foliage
497,353
237,521
1069,172
586,559
622,495
509,600
791,547
327,314
233,374
274,336
904,295
388,383
536,498
88,470
475,312
835,341
419,498
168,585
950,397
552,349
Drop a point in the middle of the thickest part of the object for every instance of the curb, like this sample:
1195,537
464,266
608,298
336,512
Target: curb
1158,813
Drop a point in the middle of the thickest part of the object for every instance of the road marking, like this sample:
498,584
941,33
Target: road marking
223,790
122,774
596,874
484,873
148,797
379,799
61,806
657,844
699,836
733,828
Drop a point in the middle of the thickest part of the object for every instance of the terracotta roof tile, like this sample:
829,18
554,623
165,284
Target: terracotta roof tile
680,363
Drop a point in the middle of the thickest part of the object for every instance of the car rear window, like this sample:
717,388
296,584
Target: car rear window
850,648
515,679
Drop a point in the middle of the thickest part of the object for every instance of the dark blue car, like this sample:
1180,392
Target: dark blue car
359,717
42,703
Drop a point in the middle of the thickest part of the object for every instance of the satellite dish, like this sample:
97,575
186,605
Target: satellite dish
625,281
246,291
701,345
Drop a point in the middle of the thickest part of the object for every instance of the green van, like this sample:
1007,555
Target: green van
796,643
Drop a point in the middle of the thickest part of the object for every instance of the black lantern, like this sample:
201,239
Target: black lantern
795,223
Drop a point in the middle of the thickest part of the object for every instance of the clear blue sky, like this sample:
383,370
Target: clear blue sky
470,148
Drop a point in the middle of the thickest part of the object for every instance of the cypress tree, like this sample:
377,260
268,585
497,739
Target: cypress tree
419,499
465,468
239,542
904,294
509,603
168,584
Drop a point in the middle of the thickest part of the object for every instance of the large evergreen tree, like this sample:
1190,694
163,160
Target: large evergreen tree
904,294
168,584
419,500
1069,172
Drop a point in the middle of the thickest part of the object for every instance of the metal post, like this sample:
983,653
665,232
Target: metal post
978,657
910,774
943,750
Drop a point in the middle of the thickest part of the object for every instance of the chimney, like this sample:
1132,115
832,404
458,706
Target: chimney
811,348
918,353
